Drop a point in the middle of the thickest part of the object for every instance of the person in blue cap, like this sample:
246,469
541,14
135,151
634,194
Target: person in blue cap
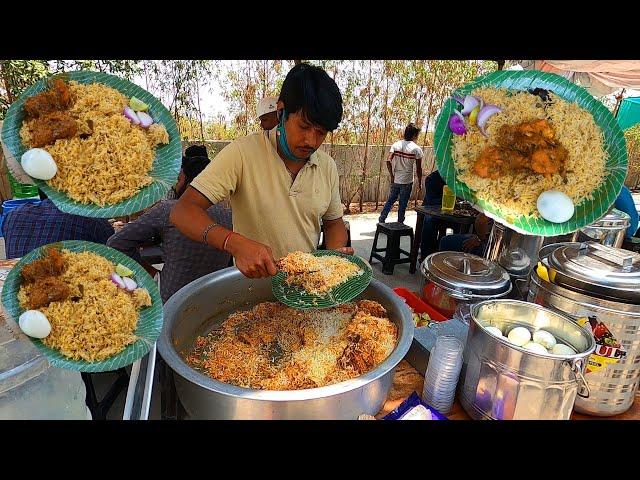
625,203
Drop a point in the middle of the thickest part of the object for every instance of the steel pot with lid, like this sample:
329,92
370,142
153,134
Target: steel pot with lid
518,253
599,286
451,278
609,230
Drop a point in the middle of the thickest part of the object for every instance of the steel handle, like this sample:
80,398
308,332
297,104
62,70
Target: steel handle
583,388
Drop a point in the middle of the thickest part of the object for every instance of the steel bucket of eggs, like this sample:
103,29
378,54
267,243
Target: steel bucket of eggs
525,362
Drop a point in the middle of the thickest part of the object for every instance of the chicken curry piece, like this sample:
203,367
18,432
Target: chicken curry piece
530,146
49,111
43,275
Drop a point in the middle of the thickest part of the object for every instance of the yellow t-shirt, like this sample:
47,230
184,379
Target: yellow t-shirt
267,207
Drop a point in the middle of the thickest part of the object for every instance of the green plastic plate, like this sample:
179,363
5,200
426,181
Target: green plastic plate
166,164
298,298
149,322
587,211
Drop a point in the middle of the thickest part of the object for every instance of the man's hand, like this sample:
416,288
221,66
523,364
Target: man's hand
345,250
253,259
471,243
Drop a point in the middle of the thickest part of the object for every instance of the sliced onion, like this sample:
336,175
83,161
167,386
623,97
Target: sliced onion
117,279
469,104
484,115
459,114
129,284
456,125
145,119
131,115
460,100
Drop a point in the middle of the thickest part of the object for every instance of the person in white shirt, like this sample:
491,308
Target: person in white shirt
402,157
267,112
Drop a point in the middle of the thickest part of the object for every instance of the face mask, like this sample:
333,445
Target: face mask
282,140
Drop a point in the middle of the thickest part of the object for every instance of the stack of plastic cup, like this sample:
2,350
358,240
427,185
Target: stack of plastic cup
441,377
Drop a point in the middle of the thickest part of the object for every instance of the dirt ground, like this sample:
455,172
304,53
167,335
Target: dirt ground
370,207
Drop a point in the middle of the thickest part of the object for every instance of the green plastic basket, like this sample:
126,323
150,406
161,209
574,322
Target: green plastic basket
298,298
587,211
149,321
166,164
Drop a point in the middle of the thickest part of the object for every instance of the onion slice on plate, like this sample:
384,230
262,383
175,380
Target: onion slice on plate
470,103
145,119
131,115
484,115
117,279
456,124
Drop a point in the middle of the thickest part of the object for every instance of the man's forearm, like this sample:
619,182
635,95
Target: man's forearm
335,235
193,221
390,168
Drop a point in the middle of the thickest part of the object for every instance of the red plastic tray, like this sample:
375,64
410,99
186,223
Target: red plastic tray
418,305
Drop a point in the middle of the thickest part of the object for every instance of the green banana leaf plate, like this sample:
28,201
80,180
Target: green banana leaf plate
149,321
166,164
298,298
587,211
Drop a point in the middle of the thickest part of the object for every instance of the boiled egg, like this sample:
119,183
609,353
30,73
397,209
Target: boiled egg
35,324
561,349
544,338
519,336
536,348
495,331
38,163
555,206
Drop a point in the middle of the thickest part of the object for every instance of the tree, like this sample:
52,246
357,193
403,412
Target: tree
15,76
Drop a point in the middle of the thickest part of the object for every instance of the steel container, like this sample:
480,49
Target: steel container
506,382
598,286
201,305
609,230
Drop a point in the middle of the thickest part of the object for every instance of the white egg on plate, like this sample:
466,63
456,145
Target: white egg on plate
544,338
519,336
495,331
562,349
35,324
536,348
38,163
555,206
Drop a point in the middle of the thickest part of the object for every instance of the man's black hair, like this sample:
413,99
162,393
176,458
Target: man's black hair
192,166
196,151
410,132
310,89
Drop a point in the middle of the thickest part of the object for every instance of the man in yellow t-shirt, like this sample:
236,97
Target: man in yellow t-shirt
280,186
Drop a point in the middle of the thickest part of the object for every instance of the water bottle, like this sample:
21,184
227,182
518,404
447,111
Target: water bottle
448,199
441,377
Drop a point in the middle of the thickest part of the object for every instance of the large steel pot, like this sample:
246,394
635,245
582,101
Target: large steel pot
507,382
609,230
599,286
199,306
518,253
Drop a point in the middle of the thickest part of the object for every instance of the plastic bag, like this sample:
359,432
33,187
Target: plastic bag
413,408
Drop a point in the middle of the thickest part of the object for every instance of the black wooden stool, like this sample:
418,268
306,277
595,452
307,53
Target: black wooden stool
394,232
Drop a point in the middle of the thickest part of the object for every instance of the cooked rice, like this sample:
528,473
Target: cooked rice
114,162
274,347
517,193
317,275
102,322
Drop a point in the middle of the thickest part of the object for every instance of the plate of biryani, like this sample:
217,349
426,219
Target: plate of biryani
531,150
275,347
86,306
321,279
96,144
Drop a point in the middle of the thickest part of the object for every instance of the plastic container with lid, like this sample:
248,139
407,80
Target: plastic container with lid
450,278
599,286
30,389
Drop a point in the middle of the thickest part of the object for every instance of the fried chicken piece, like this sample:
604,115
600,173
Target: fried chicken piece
372,308
51,265
548,160
489,163
356,357
47,290
51,127
58,97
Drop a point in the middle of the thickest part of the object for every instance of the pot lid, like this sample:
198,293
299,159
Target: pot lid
516,261
597,270
466,276
613,219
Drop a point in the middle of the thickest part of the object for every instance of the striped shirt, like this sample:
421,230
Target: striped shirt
405,155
